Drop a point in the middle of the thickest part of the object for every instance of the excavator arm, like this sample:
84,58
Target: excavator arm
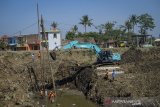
102,56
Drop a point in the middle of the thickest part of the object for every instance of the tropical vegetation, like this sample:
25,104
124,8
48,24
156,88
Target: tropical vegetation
110,30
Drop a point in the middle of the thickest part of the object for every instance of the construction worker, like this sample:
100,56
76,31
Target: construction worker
42,93
52,96
106,75
39,55
49,95
33,57
46,93
113,75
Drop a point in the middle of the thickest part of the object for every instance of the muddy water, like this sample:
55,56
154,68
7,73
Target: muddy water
66,98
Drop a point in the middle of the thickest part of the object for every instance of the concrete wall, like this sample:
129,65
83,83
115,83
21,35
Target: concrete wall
54,40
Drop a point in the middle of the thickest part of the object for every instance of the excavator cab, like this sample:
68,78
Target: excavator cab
105,57
108,57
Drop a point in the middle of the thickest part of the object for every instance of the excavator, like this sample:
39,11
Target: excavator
102,56
106,60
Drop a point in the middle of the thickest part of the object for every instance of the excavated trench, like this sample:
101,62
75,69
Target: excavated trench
140,80
19,80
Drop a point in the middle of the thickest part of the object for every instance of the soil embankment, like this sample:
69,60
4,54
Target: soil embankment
20,77
15,79
140,80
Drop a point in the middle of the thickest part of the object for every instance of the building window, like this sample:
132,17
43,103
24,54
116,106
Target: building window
55,35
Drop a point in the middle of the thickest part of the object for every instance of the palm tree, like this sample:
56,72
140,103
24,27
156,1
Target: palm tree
108,26
134,20
74,29
85,21
54,25
100,28
128,25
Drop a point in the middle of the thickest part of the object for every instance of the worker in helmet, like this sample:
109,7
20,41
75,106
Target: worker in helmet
113,75
52,96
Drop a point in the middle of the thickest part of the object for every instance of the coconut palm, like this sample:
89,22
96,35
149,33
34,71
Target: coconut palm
74,29
85,21
100,28
128,25
108,26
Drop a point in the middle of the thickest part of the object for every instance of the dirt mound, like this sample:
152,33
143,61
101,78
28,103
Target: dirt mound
132,55
65,68
85,79
149,61
14,81
148,75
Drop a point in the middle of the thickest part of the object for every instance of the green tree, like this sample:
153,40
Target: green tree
70,35
85,21
99,28
146,23
128,25
133,20
75,29
91,35
54,25
3,45
126,30
108,27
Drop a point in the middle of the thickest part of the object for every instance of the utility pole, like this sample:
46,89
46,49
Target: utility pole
39,35
45,44
42,51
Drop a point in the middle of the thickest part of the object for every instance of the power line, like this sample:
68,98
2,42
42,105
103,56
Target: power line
24,29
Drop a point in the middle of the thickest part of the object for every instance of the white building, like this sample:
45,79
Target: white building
54,39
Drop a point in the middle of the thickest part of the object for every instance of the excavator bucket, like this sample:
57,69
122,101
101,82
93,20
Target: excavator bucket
53,55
